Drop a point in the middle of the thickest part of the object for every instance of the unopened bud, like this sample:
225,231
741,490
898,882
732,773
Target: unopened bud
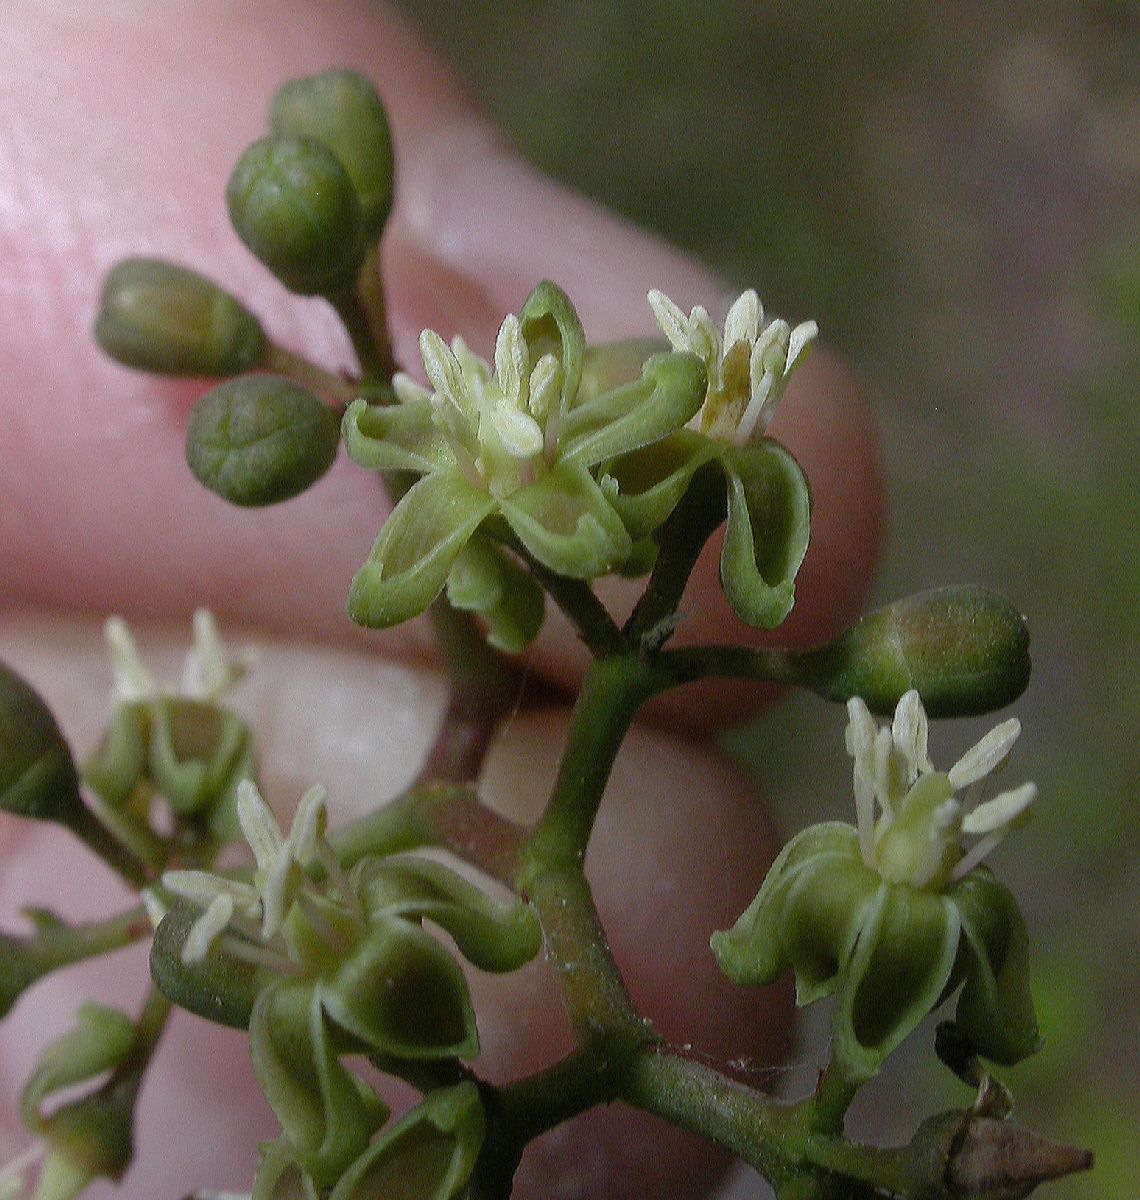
38,778
960,1156
294,206
964,649
159,317
260,439
342,110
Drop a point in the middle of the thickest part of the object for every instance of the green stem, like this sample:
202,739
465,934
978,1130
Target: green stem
826,1110
613,690
683,536
374,367
589,616
578,954
308,374
770,1136
370,293
728,662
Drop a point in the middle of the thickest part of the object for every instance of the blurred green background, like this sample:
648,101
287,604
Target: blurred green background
951,190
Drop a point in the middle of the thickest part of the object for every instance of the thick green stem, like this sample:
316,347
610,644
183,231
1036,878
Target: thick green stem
771,1137
613,691
578,953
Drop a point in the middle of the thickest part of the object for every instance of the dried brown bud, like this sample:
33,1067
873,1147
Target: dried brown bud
962,1156
997,1160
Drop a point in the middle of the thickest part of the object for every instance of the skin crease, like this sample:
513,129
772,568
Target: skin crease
122,121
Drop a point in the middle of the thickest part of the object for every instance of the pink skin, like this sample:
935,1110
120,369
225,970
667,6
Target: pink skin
121,123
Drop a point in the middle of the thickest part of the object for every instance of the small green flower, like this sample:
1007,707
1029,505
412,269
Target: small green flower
768,502
323,964
895,914
181,743
508,445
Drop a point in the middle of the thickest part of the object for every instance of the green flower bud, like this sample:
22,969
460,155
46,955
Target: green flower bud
342,110
260,440
294,205
429,1154
38,778
166,319
964,649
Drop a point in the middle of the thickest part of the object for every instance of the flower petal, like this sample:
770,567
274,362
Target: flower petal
652,480
395,437
995,1009
400,992
550,325
484,580
327,1115
430,1152
566,522
666,397
418,543
493,935
755,951
896,974
769,521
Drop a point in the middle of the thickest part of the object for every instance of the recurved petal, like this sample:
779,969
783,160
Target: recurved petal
418,543
995,1009
666,397
493,935
396,437
766,537
896,973
550,325
400,992
762,944
566,522
652,480
327,1115
485,580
